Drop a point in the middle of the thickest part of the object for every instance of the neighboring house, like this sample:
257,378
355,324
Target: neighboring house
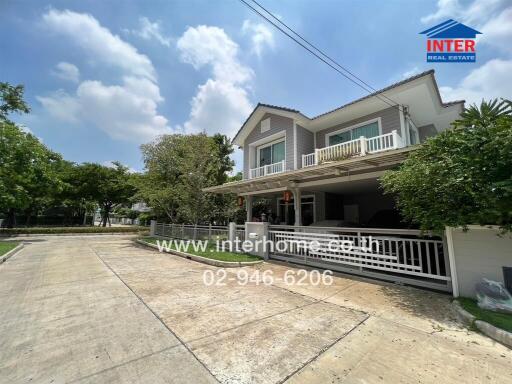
140,207
332,162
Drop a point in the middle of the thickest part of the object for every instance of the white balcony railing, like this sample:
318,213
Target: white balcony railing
348,149
267,170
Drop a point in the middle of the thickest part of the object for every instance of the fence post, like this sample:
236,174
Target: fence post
183,231
210,231
152,228
232,232
195,231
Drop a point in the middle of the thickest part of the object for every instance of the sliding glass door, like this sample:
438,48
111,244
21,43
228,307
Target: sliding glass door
271,153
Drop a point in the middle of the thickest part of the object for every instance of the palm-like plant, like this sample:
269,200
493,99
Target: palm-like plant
485,114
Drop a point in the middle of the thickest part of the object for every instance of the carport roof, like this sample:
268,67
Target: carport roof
362,164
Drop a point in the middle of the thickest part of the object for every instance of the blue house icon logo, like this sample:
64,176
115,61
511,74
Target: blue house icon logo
451,42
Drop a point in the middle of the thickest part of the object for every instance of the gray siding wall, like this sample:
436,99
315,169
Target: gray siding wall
305,144
390,120
426,131
277,124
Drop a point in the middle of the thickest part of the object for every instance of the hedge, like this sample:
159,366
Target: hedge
59,230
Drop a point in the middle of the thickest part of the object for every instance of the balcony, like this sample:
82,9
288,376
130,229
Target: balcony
348,149
267,170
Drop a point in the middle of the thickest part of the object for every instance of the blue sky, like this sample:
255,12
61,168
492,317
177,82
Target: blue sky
104,77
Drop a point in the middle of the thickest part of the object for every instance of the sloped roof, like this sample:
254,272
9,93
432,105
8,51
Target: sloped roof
374,94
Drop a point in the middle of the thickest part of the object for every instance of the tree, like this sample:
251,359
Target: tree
108,186
28,172
12,100
178,167
462,176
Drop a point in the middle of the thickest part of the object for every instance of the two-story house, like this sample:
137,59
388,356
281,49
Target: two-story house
325,170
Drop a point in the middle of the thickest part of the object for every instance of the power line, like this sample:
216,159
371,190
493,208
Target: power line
360,83
319,50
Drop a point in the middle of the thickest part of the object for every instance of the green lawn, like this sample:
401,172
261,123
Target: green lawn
500,320
212,253
6,246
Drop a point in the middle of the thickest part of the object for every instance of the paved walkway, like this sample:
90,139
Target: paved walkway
97,309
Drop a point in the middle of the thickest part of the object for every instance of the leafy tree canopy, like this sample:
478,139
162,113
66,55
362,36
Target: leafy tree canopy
178,167
462,176
11,100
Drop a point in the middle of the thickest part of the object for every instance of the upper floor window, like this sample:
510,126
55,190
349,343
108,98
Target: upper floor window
271,153
366,130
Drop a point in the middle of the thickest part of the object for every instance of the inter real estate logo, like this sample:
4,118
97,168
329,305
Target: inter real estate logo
451,42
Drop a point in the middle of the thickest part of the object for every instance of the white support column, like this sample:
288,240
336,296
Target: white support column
403,128
248,207
362,141
396,138
298,206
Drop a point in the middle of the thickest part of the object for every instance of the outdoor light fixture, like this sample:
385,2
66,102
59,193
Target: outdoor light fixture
287,196
240,201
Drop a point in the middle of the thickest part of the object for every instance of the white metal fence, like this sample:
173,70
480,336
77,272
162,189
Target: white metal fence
191,232
390,254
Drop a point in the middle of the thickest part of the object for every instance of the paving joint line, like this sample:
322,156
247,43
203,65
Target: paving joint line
156,315
323,350
124,363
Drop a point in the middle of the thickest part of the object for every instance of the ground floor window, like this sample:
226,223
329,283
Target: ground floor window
286,211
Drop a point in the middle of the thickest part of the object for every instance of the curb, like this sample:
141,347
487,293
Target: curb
3,236
204,260
11,253
487,329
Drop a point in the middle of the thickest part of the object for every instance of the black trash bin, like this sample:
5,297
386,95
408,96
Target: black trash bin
507,278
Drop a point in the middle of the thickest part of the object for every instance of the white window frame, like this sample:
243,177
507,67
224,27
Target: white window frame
280,199
378,120
269,144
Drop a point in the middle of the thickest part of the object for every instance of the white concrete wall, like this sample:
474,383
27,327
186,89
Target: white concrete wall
478,253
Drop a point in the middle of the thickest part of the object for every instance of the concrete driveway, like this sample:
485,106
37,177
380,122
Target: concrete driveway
97,309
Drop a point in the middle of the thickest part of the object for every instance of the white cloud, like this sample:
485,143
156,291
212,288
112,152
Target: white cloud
411,72
67,71
473,12
125,111
261,36
206,45
97,41
497,31
151,30
61,106
218,107
110,164
491,80
221,103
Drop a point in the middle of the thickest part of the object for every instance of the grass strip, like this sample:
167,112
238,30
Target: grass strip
210,251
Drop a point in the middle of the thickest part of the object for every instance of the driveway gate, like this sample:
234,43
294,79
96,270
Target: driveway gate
390,254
